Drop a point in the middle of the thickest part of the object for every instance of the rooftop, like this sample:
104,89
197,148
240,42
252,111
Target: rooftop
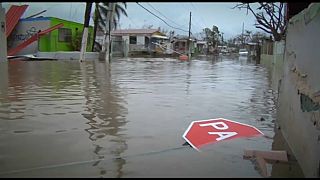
133,31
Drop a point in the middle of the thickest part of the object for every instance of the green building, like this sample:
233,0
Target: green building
66,38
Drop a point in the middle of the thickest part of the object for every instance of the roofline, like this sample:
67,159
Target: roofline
48,18
127,31
35,19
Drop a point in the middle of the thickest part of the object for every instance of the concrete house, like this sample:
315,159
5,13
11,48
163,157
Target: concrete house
136,40
202,46
180,44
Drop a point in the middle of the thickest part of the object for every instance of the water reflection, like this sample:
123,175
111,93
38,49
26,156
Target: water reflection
43,101
105,113
112,117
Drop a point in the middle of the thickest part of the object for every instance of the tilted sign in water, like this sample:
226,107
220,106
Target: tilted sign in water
202,132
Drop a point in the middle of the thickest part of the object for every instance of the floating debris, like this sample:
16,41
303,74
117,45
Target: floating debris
263,157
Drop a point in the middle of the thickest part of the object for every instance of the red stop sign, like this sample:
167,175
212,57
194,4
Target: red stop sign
203,132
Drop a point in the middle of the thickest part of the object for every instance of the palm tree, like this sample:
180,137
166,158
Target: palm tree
100,16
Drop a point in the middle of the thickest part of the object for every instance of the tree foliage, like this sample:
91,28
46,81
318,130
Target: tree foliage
212,35
100,15
101,11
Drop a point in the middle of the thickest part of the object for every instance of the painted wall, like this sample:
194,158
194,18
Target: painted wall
298,113
51,43
24,30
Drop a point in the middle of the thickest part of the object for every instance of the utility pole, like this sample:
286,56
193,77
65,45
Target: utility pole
85,31
189,53
242,39
222,38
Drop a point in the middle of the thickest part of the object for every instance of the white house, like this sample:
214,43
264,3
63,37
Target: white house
138,40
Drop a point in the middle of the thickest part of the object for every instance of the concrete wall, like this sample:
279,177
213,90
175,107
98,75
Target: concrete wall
3,38
274,64
267,61
68,55
125,45
278,59
298,113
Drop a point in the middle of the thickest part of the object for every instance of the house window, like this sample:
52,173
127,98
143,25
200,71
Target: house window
64,35
133,40
176,45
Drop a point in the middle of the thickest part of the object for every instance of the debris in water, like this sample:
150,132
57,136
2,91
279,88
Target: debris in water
186,144
264,157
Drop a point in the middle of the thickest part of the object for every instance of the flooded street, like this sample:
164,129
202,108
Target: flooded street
126,119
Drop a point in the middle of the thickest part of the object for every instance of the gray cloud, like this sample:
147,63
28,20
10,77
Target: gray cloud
204,15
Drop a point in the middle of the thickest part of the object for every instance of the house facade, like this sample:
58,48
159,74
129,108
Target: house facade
202,47
180,44
66,38
137,40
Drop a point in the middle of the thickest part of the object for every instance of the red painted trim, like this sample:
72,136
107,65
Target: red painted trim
35,37
12,17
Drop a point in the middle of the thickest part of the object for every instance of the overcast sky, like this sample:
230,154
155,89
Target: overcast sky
204,14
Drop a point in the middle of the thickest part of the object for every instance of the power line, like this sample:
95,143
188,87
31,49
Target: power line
163,15
192,24
201,19
197,18
160,18
165,21
131,20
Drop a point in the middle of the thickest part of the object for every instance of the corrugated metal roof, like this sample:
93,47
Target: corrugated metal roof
133,31
12,17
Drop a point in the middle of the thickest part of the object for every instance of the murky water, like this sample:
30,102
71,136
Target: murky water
126,119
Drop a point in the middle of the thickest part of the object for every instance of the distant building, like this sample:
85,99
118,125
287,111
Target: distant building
202,46
252,48
180,44
66,38
132,41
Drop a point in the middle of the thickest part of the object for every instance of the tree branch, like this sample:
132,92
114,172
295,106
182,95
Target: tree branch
265,30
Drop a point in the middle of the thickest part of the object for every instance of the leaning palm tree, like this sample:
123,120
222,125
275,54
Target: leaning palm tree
100,16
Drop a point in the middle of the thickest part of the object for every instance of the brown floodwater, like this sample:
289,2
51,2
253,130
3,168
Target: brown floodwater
127,118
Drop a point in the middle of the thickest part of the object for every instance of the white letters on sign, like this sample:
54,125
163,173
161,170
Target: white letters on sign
215,125
220,126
